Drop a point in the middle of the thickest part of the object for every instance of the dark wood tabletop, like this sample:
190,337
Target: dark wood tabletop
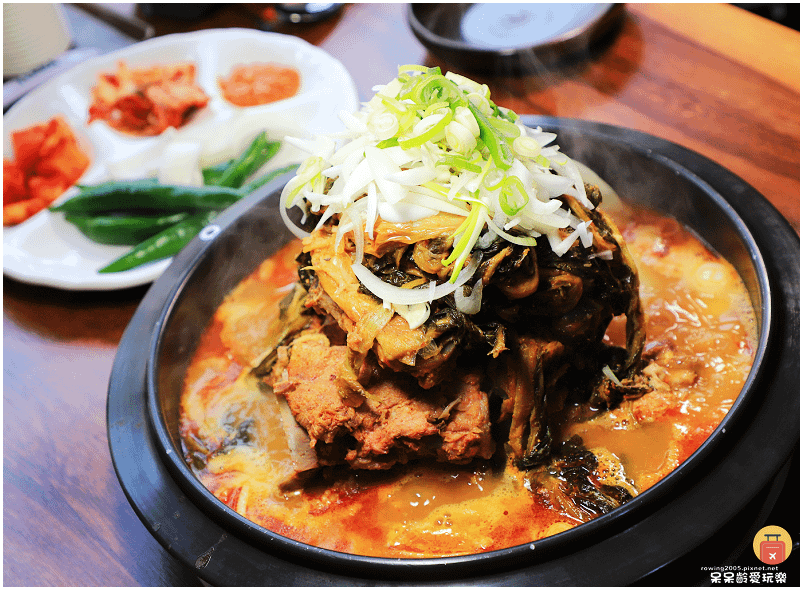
710,77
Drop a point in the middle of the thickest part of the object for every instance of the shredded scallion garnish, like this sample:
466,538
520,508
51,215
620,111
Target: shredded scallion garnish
430,143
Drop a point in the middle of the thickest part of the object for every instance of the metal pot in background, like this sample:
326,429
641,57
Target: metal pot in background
513,39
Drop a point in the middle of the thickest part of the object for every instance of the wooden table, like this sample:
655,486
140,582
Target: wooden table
712,78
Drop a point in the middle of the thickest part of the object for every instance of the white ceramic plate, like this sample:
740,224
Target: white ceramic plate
46,250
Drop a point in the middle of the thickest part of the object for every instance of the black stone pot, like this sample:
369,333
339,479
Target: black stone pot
693,512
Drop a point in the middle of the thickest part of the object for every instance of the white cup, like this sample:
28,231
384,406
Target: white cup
33,34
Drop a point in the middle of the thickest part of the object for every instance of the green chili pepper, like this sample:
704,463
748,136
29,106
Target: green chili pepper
505,128
391,142
212,174
435,130
431,88
162,245
494,140
458,162
506,114
260,151
513,197
109,184
122,230
129,196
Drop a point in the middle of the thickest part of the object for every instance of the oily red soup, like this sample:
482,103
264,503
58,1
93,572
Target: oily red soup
701,332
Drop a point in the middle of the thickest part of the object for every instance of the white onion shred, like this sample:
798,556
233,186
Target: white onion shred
415,315
424,294
610,374
469,304
409,154
602,255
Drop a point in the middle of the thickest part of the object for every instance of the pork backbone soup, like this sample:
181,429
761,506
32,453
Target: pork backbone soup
281,423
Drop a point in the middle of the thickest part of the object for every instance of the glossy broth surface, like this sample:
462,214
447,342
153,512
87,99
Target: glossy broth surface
700,326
